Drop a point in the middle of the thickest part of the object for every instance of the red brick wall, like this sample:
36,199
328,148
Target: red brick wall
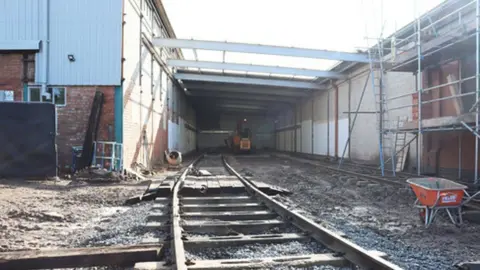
441,149
12,73
73,119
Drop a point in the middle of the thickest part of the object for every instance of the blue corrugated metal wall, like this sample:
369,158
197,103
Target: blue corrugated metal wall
91,30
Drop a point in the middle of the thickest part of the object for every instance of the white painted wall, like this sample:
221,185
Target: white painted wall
152,102
365,134
181,138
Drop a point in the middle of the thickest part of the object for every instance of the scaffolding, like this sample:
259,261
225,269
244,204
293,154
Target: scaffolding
447,33
450,29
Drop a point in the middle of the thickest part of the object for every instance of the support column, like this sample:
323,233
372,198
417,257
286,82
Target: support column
295,128
349,114
313,121
335,87
328,122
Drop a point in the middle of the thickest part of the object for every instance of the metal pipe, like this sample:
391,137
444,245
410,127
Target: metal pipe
284,135
437,21
404,106
477,96
295,129
301,120
450,83
448,15
46,48
400,96
419,85
471,129
461,133
313,120
434,51
449,97
434,87
460,156
336,119
349,118
328,123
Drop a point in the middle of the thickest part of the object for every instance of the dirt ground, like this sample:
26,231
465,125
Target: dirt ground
65,213
377,217
47,214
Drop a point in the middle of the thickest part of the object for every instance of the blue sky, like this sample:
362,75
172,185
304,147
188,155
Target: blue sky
340,25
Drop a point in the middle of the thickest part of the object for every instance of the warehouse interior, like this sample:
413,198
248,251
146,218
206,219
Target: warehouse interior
364,109
224,94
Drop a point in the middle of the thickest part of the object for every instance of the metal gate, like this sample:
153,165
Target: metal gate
27,140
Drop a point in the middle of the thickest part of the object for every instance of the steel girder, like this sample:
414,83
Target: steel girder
254,68
260,49
271,91
185,77
239,96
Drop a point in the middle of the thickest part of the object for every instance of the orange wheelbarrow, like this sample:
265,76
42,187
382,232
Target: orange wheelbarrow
434,194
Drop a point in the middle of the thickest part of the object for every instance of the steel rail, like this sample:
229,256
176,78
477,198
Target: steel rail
352,252
360,175
176,243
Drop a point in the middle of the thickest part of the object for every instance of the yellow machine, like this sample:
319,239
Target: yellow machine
241,141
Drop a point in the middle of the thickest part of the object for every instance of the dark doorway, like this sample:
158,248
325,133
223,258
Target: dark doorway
27,140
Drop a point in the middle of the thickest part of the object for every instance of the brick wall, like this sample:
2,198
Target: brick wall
12,72
145,133
73,119
441,149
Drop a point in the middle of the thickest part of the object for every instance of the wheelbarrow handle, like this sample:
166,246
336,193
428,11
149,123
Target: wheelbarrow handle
469,198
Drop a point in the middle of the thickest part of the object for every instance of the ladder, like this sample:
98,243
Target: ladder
401,149
385,136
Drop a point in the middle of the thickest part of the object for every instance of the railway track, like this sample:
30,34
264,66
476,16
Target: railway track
372,173
218,219
362,172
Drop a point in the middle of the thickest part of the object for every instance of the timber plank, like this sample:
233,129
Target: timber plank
223,207
79,257
217,199
271,262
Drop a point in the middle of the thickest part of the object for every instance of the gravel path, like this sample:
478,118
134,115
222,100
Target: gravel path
40,214
376,217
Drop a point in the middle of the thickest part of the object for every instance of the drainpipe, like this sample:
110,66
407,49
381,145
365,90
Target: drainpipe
45,45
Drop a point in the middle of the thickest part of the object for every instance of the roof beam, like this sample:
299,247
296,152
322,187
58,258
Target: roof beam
260,49
241,106
246,80
249,90
220,100
255,68
238,96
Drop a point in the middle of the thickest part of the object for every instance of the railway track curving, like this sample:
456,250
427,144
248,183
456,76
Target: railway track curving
224,220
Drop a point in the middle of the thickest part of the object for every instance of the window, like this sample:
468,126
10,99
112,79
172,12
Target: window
6,95
56,95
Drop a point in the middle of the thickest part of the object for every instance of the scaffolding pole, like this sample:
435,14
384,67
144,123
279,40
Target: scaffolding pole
419,95
380,131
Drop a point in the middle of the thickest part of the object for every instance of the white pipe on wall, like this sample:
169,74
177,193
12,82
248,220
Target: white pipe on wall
45,45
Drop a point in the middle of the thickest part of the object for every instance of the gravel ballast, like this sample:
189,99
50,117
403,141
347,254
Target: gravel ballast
376,217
